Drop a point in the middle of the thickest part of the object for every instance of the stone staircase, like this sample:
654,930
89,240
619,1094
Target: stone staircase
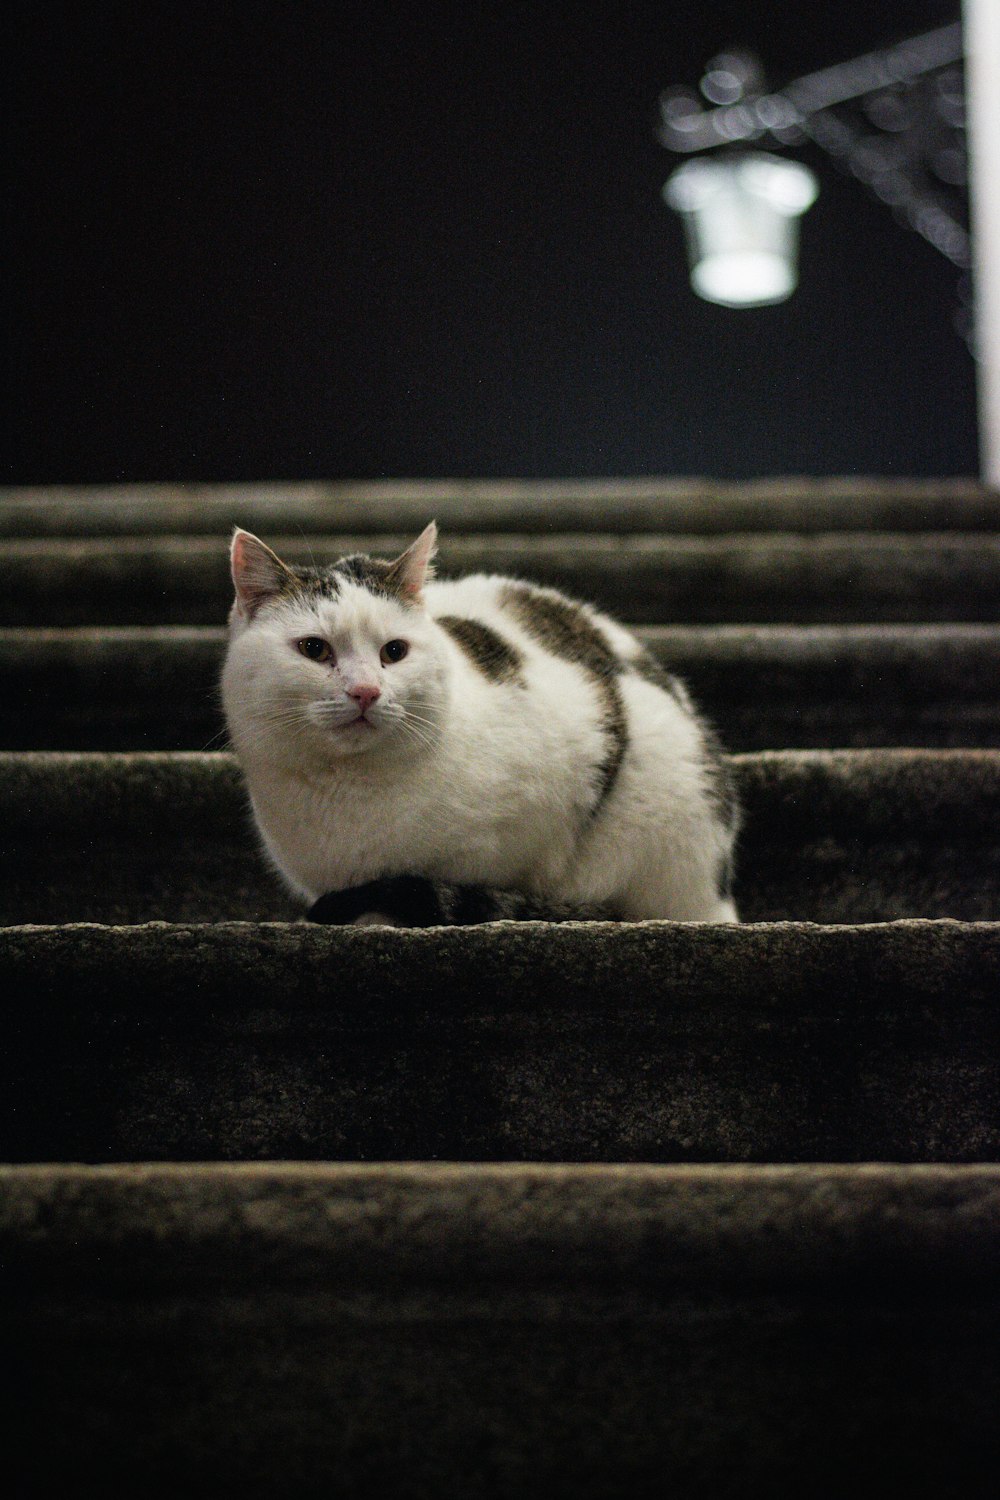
591,1210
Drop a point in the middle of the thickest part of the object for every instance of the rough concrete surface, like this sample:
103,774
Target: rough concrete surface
581,1210
824,578
504,1331
698,506
850,836
763,687
517,1041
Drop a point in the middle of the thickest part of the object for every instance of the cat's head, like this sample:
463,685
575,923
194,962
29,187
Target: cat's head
334,661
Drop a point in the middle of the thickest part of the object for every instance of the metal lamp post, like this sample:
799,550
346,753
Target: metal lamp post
894,119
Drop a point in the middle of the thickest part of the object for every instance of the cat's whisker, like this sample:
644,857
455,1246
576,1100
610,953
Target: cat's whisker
411,721
410,716
221,737
312,555
416,737
418,729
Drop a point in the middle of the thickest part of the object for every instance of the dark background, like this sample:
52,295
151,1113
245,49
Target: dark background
364,240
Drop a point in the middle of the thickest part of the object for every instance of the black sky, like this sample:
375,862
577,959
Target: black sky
365,240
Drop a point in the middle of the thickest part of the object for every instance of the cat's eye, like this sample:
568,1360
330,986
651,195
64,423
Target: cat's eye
393,651
315,648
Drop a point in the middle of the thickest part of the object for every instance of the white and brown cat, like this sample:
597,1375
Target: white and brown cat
454,751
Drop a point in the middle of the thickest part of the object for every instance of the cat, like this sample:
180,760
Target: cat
422,751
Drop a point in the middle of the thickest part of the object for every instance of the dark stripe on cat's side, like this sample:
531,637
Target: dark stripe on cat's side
720,784
561,626
720,781
646,665
725,880
489,653
616,728
565,629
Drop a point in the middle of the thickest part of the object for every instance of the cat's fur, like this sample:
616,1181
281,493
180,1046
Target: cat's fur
524,742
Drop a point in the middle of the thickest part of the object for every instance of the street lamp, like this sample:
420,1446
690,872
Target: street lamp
741,221
896,121
893,119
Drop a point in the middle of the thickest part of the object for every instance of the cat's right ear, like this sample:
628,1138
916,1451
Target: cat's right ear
408,574
258,573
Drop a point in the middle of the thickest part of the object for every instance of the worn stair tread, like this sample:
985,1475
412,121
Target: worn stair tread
823,578
830,836
628,1227
510,1041
941,790
501,1331
617,505
574,1207
764,686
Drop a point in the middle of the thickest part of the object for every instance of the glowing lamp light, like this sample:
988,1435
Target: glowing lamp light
740,216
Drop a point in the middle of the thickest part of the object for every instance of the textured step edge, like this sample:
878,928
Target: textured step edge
621,505
460,551
787,641
657,1043
156,687
735,1228
788,790
826,577
939,647
762,962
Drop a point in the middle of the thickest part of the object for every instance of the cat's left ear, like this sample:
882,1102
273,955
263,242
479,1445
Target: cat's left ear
413,568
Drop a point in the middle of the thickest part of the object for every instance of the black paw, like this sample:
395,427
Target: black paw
407,900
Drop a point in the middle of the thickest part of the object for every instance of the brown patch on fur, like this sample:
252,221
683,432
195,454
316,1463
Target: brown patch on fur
372,573
489,653
565,629
561,626
719,782
314,582
647,666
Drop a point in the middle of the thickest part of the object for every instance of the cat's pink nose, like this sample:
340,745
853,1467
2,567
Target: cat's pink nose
364,694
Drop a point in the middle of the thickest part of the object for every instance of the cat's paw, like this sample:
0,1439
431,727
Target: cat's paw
393,901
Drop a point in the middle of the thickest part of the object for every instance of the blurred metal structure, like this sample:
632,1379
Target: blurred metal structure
895,120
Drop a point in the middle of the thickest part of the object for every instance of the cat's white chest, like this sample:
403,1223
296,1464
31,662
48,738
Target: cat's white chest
326,833
493,823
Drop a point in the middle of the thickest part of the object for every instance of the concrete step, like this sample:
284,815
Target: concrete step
665,1042
830,836
428,1330
695,506
764,687
526,1318
833,578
